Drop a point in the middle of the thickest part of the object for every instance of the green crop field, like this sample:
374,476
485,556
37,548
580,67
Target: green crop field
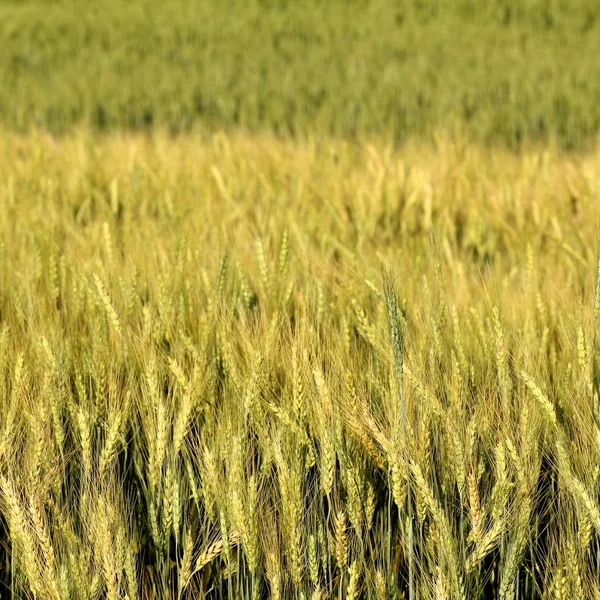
501,70
299,300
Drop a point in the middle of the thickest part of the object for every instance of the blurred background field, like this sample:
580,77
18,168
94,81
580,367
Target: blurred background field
498,71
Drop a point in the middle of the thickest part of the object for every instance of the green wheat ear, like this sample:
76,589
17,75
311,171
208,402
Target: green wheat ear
398,354
396,341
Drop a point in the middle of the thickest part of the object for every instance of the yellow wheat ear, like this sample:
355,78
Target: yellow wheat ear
110,311
397,346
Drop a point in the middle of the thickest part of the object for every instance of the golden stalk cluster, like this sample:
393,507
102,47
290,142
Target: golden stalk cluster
247,368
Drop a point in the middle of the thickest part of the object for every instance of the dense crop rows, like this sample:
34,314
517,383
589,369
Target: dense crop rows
500,70
210,385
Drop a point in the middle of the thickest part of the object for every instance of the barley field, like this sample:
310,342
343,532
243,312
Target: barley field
241,367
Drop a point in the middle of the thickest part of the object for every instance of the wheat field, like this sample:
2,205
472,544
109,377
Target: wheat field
501,71
242,367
